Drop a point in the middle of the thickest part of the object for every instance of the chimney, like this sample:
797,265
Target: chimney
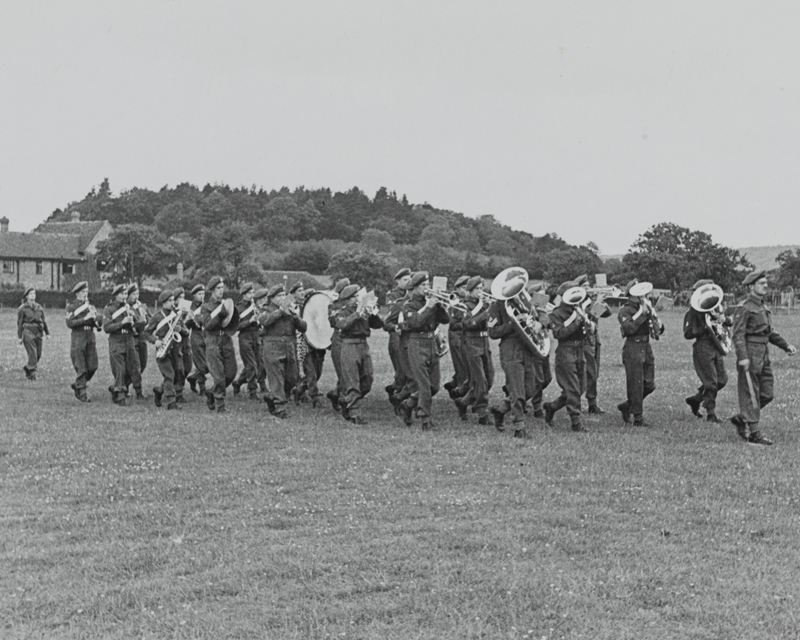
179,271
75,216
3,225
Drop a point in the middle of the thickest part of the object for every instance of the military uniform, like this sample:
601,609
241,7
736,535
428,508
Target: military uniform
395,300
570,329
118,324
459,384
709,363
157,328
220,354
336,345
140,316
31,328
83,344
478,357
591,352
403,384
249,346
197,348
313,363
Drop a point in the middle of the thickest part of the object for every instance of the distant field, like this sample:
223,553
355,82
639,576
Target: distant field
132,522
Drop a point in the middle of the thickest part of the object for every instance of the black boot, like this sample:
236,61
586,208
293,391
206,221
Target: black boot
499,418
624,409
157,394
694,405
741,426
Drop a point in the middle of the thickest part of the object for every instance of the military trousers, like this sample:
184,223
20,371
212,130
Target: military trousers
570,372
763,381
424,365
221,362
135,379
357,376
481,371
312,368
517,364
198,351
32,341
124,362
250,352
640,374
460,367
83,353
400,374
543,376
168,367
336,358
709,364
591,352
280,360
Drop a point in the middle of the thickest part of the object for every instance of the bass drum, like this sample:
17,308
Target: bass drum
315,314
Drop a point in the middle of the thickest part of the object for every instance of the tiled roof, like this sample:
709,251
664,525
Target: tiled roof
87,230
40,246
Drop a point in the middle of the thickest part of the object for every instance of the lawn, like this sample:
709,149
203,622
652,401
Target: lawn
135,522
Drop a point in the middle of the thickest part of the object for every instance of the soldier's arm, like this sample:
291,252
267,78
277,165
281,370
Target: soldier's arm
739,332
416,319
778,340
630,321
212,323
442,317
500,325
691,327
375,321
565,328
44,324
150,329
20,321
111,325
300,324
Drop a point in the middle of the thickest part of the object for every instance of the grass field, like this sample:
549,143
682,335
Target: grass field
132,522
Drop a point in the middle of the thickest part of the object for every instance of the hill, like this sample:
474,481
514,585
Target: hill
764,257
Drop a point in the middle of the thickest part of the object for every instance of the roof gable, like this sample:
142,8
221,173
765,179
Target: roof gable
87,230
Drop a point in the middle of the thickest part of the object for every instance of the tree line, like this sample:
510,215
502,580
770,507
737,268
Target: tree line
243,232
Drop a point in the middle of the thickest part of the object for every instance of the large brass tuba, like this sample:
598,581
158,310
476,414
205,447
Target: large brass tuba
509,288
707,299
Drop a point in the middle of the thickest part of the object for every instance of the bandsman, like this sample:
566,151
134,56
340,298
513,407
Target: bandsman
477,354
312,364
140,317
298,293
592,345
422,315
543,373
395,299
249,342
459,384
118,324
279,320
31,327
184,347
160,327
82,319
354,327
336,345
709,363
752,333
218,324
197,378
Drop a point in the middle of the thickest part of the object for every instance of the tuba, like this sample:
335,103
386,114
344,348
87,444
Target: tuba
509,288
642,290
707,300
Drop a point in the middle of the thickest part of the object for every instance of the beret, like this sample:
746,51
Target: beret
260,293
297,285
462,280
120,288
349,291
165,295
215,281
473,282
581,281
562,288
27,291
629,285
132,288
418,278
341,284
753,277
198,288
274,290
178,292
405,271
80,286
700,283
247,286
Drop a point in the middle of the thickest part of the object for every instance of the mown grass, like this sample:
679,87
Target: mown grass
132,522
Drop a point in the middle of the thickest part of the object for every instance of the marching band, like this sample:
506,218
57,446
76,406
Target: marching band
283,336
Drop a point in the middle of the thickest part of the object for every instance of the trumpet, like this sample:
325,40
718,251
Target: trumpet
451,301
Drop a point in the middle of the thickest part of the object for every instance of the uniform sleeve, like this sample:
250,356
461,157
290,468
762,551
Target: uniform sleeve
739,332
778,340
150,328
476,322
209,323
691,326
504,326
268,318
110,325
20,321
375,321
44,323
442,317
416,320
565,328
630,320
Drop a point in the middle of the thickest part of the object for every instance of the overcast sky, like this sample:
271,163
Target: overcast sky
592,120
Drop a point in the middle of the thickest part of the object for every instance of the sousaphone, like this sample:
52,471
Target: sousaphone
509,287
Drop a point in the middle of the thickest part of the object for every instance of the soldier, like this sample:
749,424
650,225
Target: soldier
297,293
249,342
140,318
354,326
118,324
394,300
279,320
422,314
459,384
312,363
477,355
158,329
184,348
752,332
542,372
31,326
637,322
592,346
709,363
82,320
336,345
197,379
570,325
220,355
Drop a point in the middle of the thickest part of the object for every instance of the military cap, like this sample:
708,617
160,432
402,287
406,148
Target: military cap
260,293
754,277
473,282
274,290
165,295
120,288
341,284
132,288
215,280
562,288
297,285
582,281
700,283
461,281
198,288
247,286
629,285
27,291
349,291
80,286
418,278
405,271
178,292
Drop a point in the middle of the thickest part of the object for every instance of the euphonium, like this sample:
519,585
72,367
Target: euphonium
708,300
641,290
508,287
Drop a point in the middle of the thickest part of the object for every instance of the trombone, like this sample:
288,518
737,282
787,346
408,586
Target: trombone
449,300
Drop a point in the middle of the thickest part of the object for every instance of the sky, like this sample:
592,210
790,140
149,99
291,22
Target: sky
591,120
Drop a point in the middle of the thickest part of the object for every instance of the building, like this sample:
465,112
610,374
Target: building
54,256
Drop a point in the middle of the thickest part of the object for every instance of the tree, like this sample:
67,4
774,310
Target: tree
568,264
226,250
314,259
370,269
788,274
179,217
135,251
377,240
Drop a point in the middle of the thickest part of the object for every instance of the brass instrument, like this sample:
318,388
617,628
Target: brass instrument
172,335
641,290
708,300
578,298
367,303
289,305
509,288
450,301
